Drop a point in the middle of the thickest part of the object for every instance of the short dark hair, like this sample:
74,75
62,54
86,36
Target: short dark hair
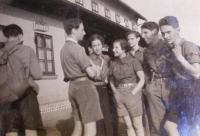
12,30
169,20
71,23
94,37
136,33
150,25
124,44
142,42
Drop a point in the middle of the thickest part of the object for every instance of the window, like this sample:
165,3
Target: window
126,22
44,51
107,13
95,7
117,18
80,2
1,27
134,26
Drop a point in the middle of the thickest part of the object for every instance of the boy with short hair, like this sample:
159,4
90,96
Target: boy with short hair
158,85
27,107
78,69
186,95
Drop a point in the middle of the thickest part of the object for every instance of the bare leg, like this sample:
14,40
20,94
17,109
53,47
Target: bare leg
129,126
171,128
90,129
12,134
198,133
77,129
138,125
29,132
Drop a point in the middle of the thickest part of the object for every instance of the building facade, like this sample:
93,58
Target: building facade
41,21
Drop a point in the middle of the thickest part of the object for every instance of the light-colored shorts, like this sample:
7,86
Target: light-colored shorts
127,103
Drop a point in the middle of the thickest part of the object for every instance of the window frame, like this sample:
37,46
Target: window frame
1,27
95,6
117,18
126,22
45,49
133,25
107,13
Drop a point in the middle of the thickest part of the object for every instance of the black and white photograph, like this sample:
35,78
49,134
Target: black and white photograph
99,68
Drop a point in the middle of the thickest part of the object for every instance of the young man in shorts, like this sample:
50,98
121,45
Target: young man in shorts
184,108
77,70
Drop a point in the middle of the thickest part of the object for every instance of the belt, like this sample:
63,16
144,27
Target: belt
99,83
159,76
162,77
79,79
126,85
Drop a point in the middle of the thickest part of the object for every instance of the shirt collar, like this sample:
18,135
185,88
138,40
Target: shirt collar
71,39
182,40
124,59
95,57
140,49
12,45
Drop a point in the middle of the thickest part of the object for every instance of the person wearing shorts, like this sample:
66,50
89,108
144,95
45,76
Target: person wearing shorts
101,61
77,70
160,80
184,112
126,80
136,44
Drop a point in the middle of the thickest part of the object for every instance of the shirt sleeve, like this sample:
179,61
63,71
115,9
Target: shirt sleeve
137,65
82,59
110,71
192,54
35,71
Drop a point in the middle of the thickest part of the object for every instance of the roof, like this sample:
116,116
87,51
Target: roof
131,9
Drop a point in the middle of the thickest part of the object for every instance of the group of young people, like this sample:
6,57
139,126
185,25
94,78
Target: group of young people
160,80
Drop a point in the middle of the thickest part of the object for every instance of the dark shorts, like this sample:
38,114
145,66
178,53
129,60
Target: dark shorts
9,118
185,102
85,101
127,103
23,113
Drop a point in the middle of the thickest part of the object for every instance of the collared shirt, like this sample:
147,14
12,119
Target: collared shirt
191,53
30,62
74,60
71,39
139,54
158,58
103,62
124,70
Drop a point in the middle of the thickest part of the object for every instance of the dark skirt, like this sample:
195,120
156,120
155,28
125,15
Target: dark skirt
9,119
22,114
